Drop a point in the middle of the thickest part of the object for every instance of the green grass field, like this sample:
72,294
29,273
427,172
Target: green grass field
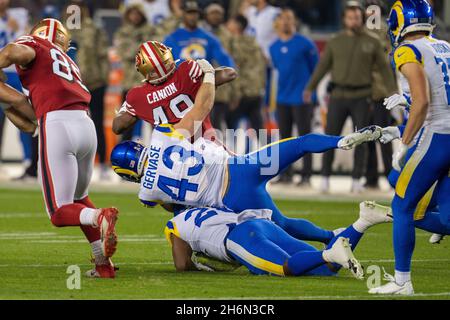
34,257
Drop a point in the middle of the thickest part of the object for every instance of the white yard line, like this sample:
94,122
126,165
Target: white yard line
433,294
84,265
170,262
84,240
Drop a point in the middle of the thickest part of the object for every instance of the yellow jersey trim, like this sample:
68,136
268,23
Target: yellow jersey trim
407,54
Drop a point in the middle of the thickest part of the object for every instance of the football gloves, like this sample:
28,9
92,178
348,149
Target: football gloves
397,100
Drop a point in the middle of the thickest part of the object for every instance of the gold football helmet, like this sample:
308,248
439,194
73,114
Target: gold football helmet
155,62
53,31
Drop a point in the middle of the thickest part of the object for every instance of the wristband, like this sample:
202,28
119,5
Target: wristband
209,78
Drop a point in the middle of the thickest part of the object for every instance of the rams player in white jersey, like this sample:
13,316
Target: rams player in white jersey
251,239
173,170
424,66
427,214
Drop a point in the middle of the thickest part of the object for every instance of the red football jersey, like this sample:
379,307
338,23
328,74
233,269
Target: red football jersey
170,101
52,81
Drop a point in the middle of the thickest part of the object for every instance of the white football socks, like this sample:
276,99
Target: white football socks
402,277
99,258
88,217
361,225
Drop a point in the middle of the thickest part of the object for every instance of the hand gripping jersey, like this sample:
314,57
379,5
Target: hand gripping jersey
180,172
52,81
170,101
434,56
206,229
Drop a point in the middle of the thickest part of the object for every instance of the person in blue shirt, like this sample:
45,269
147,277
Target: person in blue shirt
13,24
191,42
294,58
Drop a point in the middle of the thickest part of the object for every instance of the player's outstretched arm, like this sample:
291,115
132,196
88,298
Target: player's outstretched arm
122,122
181,253
18,110
203,104
225,75
18,54
20,121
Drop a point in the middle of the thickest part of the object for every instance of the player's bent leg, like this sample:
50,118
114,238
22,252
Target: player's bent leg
432,222
271,160
104,267
293,246
414,185
301,229
443,198
247,243
244,193
370,214
417,177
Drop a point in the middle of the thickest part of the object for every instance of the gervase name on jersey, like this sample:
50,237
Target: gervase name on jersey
162,94
441,48
154,154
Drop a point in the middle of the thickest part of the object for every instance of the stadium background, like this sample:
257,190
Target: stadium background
320,19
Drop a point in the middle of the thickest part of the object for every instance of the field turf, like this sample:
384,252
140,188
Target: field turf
34,257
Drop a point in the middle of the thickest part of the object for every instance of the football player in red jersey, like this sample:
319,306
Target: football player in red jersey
168,91
67,138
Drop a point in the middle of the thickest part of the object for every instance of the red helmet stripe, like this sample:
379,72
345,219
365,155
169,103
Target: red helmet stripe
155,63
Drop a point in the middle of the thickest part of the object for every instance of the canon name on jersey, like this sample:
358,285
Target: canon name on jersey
162,94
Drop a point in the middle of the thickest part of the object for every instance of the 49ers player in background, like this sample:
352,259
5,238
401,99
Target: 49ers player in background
168,91
67,138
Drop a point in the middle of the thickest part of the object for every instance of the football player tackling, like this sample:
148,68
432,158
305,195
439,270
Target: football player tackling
168,91
176,171
424,64
67,138
249,238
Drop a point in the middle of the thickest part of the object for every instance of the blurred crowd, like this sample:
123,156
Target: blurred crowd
280,67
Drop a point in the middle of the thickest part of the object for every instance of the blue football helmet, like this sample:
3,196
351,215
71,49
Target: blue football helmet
409,16
128,160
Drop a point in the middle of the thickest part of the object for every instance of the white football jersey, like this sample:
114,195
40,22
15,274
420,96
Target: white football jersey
434,55
7,35
156,10
260,25
206,229
180,172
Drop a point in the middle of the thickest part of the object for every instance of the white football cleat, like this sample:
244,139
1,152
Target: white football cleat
107,270
367,134
374,213
392,288
436,238
341,253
